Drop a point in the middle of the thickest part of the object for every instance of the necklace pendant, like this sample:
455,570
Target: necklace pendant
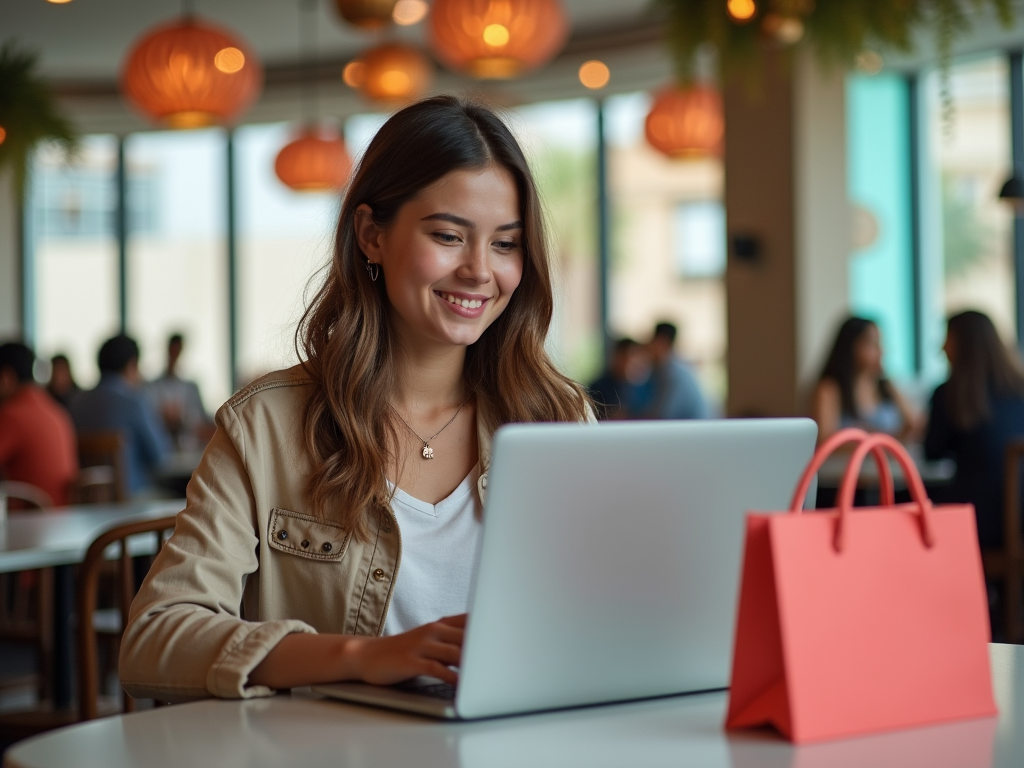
428,452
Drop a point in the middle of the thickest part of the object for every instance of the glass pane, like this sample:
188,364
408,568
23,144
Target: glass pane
559,139
284,237
177,262
878,165
968,258
668,241
72,232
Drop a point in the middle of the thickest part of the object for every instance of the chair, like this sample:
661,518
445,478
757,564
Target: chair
88,584
30,495
1007,564
102,477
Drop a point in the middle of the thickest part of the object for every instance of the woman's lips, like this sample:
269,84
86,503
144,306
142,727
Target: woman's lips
463,305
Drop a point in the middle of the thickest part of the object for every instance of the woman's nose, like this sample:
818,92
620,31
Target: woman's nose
476,264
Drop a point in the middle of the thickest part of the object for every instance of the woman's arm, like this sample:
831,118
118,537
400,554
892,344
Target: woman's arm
826,409
913,421
299,659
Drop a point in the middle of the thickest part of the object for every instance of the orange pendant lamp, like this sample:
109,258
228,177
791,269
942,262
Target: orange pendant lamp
366,14
188,74
316,161
497,38
392,73
686,122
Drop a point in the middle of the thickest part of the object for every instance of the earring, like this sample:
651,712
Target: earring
373,270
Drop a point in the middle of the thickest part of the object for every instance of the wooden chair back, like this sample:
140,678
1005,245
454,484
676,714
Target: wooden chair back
103,476
88,583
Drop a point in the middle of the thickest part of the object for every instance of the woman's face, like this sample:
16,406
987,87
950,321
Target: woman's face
868,350
451,258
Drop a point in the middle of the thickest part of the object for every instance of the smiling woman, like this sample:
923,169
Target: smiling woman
426,335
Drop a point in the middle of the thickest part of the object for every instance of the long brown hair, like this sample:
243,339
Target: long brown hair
349,345
981,367
841,366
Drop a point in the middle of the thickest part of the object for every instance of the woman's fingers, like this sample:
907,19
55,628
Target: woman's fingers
443,652
440,671
454,621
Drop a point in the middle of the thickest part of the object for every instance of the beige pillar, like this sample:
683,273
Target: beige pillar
785,188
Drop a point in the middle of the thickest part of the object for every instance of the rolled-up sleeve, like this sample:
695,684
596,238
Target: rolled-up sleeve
185,636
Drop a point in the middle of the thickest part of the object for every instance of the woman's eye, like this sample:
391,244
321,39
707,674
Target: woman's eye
506,245
447,237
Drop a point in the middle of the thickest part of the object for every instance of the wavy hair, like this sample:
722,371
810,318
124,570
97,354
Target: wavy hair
981,368
348,345
841,366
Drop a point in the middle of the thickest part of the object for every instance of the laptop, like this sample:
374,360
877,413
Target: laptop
609,565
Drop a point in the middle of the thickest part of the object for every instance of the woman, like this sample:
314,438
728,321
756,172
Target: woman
287,566
974,414
852,390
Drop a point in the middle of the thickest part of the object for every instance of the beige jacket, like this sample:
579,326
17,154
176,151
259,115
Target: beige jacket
245,540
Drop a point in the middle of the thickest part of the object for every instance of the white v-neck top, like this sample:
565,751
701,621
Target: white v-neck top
440,544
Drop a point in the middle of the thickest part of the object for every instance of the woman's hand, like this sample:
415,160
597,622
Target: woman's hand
428,650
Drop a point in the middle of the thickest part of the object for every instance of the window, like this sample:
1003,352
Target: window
177,262
698,239
71,229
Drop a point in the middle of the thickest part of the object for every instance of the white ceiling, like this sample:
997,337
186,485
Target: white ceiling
88,39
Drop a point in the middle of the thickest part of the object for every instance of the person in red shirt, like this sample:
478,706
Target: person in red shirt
37,439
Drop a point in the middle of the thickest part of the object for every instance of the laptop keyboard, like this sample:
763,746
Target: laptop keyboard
445,691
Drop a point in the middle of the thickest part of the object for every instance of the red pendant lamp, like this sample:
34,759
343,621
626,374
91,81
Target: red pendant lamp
315,161
497,38
366,14
686,122
188,74
392,73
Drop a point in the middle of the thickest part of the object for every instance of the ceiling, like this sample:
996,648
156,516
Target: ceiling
88,39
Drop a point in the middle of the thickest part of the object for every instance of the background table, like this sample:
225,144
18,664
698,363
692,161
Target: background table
677,732
59,538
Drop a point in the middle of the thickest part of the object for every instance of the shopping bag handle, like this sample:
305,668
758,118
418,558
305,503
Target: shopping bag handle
887,443
841,438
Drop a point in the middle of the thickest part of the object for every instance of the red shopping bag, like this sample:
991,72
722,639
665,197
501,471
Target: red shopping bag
856,621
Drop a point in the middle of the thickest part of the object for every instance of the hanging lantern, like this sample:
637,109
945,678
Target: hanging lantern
316,161
366,14
390,73
497,38
189,74
686,122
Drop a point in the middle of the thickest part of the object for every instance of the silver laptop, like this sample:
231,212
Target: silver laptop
610,563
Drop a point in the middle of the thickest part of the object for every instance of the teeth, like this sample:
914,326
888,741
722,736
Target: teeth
467,303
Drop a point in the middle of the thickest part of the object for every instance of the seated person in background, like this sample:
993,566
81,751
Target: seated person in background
973,416
37,440
624,390
852,390
675,391
178,402
117,404
62,386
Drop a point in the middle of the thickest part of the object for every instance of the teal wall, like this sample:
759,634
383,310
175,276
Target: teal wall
878,172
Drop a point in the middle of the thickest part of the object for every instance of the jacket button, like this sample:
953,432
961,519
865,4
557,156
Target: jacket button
282,535
327,547
378,575
305,543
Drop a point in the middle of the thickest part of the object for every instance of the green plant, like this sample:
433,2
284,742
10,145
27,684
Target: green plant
837,30
28,112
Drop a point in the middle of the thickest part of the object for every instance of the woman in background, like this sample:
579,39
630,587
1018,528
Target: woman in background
852,390
973,416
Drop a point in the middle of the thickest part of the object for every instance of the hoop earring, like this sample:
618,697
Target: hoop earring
373,270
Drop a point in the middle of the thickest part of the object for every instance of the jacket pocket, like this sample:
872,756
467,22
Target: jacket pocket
306,536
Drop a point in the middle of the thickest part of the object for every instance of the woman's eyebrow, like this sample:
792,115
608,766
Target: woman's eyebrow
451,217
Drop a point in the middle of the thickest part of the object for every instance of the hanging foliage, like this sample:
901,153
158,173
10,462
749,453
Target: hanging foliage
837,30
28,112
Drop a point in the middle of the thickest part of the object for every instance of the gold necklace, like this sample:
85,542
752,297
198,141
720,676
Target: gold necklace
428,452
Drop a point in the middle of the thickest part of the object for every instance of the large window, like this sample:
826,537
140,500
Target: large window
177,258
668,243
967,257
75,270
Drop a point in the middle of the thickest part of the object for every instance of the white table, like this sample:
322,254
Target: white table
59,538
681,731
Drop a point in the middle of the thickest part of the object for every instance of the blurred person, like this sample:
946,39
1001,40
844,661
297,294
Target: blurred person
974,414
853,391
623,391
118,404
62,386
675,391
178,401
37,439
